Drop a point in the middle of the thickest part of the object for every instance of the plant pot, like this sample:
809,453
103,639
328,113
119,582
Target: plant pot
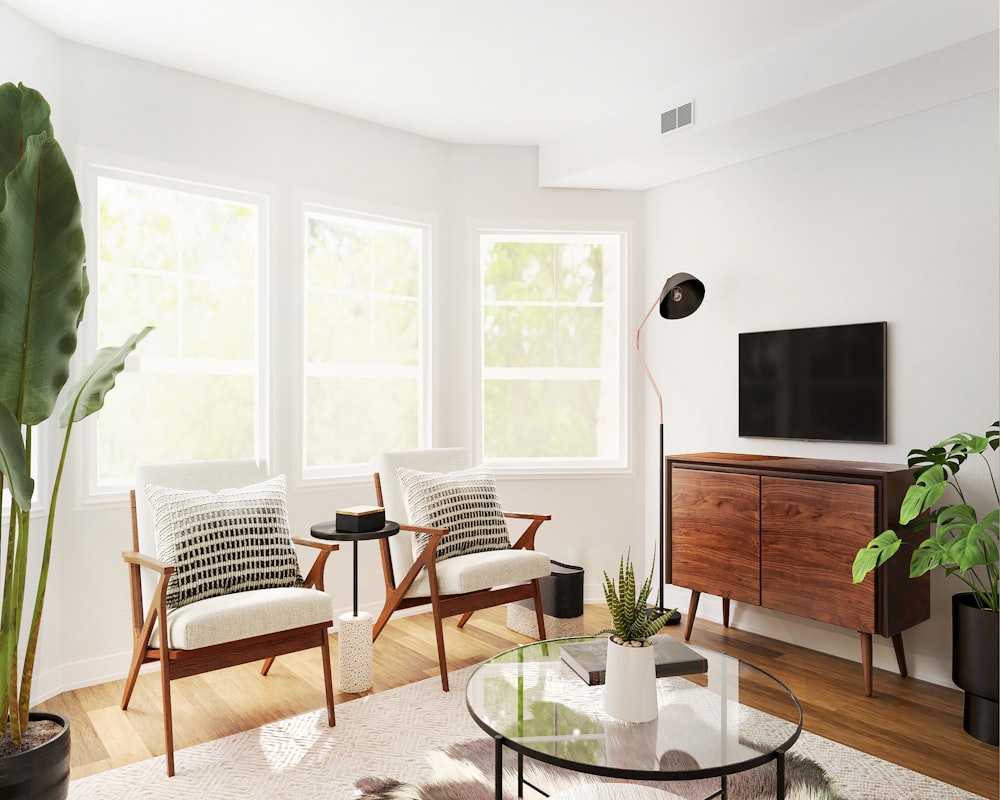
630,683
975,637
41,773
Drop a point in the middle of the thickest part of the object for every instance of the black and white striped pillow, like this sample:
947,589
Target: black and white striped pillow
223,542
464,502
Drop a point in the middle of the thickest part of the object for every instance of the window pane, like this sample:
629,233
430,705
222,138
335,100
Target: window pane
552,343
340,328
580,273
518,336
363,338
215,320
345,416
580,337
174,417
519,271
397,333
541,419
185,261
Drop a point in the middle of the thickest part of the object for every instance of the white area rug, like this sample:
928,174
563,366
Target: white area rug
391,734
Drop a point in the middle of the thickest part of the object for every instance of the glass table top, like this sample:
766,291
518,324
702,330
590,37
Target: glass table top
725,720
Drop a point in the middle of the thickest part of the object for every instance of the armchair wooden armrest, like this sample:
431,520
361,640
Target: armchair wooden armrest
314,578
142,560
526,541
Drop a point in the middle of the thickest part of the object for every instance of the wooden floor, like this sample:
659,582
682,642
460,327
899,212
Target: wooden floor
908,722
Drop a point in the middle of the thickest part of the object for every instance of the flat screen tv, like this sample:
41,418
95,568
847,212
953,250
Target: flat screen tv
824,384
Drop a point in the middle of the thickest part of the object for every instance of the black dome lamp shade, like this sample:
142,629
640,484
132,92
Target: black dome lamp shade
681,296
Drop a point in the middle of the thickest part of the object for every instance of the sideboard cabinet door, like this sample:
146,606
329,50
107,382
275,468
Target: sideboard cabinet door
810,533
715,533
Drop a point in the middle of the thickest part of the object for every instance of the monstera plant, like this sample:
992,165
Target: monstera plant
961,541
965,543
43,289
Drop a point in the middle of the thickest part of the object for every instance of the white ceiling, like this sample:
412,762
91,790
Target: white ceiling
584,80
469,71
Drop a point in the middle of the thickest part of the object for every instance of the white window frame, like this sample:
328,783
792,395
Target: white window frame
372,212
555,467
98,164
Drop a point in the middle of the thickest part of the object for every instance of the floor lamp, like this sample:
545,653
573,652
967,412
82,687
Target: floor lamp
680,297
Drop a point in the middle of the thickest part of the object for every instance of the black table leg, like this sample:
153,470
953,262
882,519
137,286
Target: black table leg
355,577
780,766
498,766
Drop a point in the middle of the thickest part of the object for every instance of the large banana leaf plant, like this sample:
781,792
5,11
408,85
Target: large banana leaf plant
43,290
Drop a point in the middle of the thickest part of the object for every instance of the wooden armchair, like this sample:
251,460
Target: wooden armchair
187,633
450,584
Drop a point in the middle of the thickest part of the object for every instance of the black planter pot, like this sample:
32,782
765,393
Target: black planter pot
975,638
41,773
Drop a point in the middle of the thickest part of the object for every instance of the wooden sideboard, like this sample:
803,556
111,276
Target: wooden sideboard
782,533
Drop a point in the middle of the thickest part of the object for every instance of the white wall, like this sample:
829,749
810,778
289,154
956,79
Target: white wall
894,222
125,107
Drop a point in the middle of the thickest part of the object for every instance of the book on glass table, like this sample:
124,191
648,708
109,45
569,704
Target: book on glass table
589,659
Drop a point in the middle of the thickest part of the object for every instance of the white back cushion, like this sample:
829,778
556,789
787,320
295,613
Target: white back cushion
208,475
443,459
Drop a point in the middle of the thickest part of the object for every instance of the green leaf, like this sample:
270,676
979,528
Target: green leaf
43,280
922,460
23,113
924,493
874,554
927,556
87,395
13,459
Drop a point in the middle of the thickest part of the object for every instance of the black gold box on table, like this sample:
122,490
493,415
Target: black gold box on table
360,519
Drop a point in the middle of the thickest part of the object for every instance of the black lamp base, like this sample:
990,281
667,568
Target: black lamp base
674,616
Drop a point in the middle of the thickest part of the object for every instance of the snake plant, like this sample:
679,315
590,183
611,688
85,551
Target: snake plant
632,621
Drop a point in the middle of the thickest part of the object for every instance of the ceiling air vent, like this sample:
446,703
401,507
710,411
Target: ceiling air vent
677,117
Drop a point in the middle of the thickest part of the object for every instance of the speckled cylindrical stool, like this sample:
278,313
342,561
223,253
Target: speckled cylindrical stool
354,652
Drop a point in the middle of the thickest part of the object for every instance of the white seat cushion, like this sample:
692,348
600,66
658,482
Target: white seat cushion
475,571
231,617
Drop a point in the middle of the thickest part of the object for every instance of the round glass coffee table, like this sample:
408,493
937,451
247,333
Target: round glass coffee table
712,724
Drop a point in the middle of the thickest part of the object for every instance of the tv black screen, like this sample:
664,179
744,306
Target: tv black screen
825,383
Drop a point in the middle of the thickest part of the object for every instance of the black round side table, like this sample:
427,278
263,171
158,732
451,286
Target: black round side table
354,636
328,530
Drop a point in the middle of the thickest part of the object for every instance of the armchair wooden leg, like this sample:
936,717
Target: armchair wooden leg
465,618
439,634
133,676
539,611
267,666
168,717
324,647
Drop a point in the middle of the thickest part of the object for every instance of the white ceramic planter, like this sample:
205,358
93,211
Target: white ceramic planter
630,683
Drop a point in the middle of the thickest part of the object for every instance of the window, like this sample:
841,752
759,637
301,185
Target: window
552,342
188,259
364,362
